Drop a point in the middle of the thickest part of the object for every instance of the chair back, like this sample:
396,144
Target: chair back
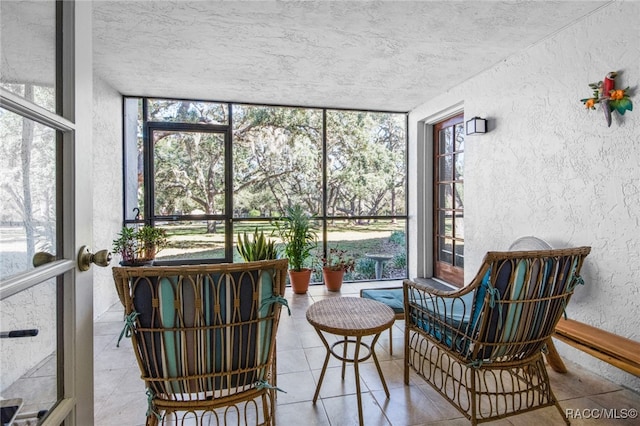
521,299
202,331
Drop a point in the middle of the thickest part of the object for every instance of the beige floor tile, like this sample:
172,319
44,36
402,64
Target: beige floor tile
120,399
343,411
121,409
305,413
298,387
316,356
292,361
392,373
408,405
333,384
578,382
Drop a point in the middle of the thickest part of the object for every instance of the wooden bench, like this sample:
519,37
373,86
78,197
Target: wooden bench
616,350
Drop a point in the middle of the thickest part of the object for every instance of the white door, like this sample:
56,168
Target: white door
46,302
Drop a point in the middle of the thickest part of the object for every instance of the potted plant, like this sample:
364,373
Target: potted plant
139,246
334,266
258,248
299,239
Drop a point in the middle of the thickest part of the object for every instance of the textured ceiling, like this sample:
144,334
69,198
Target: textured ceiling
370,55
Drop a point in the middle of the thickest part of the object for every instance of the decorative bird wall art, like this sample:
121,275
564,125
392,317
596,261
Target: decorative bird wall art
609,98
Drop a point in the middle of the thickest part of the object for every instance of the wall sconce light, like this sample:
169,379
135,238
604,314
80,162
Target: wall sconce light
476,125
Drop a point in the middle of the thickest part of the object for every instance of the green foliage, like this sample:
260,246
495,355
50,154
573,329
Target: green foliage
338,259
152,236
189,173
258,248
277,160
398,237
400,260
139,244
366,268
125,244
254,213
297,235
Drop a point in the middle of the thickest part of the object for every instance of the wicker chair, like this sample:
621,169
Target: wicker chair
481,347
204,338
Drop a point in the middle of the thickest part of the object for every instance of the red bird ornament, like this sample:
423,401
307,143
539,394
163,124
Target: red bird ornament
609,98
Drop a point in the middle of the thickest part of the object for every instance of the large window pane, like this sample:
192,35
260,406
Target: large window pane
369,242
193,240
28,50
189,173
277,160
27,192
366,165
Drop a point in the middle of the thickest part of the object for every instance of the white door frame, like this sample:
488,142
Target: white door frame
424,196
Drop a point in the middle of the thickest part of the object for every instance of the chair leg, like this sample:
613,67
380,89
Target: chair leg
268,408
560,410
152,420
553,358
472,392
391,340
406,355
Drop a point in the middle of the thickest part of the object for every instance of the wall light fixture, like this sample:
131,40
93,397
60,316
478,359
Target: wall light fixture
476,125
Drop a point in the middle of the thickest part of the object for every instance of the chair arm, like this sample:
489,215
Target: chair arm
437,292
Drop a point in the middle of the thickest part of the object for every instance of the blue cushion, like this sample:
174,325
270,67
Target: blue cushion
457,310
393,298
459,313
479,299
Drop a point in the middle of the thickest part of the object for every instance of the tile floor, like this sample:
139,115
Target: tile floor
120,398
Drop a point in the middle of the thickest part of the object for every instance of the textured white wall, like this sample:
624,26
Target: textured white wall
107,192
552,169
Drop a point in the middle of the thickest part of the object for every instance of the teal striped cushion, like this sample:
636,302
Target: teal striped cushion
207,325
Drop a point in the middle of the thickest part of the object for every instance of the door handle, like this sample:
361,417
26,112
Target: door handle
42,258
86,258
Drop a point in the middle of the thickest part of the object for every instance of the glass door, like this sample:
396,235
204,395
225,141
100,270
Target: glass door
46,314
190,194
448,211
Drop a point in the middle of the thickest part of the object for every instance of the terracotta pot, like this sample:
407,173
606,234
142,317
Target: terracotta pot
333,279
300,280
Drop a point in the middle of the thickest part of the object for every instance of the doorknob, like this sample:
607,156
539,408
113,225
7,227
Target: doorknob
86,258
42,258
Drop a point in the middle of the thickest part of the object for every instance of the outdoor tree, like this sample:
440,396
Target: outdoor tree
27,183
277,155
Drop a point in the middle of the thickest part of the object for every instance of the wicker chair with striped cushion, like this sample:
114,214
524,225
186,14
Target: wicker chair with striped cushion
481,346
204,338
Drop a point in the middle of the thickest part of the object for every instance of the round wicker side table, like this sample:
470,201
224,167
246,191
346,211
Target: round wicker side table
353,318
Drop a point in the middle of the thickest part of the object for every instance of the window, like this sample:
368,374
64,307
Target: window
206,171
